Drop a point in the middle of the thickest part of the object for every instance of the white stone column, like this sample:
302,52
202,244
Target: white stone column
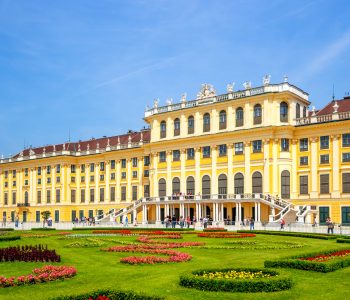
139,176
129,179
197,170
87,183
230,189
266,177
275,167
97,183
259,214
294,177
169,183
256,212
336,166
314,164
107,179
155,175
183,171
247,176
214,180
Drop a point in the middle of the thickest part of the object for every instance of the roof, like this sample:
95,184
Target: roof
93,144
343,106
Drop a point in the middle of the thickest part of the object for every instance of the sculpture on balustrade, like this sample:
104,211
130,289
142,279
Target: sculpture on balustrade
206,91
155,103
169,101
247,85
31,152
335,107
183,98
266,80
230,87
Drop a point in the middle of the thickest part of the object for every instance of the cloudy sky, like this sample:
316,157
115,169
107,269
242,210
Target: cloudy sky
88,68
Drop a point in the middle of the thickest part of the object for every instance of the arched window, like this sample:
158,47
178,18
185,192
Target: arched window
285,184
239,117
26,197
206,187
257,114
190,186
222,120
239,183
176,185
162,129
162,187
176,127
284,112
222,184
297,111
304,112
257,183
206,122
190,125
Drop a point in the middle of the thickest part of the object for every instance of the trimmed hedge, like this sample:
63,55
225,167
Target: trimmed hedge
294,262
9,238
110,294
343,240
6,229
273,284
296,234
43,229
131,228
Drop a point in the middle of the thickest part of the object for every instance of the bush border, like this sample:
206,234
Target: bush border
9,238
272,284
291,233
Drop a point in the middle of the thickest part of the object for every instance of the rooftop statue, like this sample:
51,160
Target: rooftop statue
206,91
266,79
230,87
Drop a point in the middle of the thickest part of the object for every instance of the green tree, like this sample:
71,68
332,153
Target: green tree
45,215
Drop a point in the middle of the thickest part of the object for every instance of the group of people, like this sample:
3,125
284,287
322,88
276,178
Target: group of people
90,221
182,221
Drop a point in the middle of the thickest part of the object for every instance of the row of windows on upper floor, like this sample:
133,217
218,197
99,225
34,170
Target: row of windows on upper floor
239,116
73,168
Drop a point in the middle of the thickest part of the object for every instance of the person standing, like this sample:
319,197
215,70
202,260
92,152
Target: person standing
173,221
283,222
251,224
126,223
330,225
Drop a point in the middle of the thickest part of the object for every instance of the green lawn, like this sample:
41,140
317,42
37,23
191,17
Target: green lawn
97,269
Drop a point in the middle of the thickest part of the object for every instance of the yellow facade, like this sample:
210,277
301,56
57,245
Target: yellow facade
235,160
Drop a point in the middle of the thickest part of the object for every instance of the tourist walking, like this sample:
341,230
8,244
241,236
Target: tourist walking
330,225
251,224
282,222
173,221
126,222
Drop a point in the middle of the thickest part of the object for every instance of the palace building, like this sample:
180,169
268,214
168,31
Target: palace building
254,153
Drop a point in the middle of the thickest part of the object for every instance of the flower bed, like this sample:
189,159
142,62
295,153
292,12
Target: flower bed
236,280
121,231
28,253
320,262
85,243
296,234
225,235
211,229
44,274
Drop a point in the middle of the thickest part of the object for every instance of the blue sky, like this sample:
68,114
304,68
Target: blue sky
91,67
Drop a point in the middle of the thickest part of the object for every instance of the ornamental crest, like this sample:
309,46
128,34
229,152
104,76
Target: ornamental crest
206,91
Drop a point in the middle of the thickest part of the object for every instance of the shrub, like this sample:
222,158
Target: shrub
6,229
28,253
296,234
343,240
43,229
222,235
271,284
111,295
9,238
132,228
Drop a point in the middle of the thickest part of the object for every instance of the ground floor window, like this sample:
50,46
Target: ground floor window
345,215
37,216
324,214
57,216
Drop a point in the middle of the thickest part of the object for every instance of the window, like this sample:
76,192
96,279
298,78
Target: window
123,163
190,125
48,180
6,184
346,157
92,195
6,198
134,162
239,183
176,185
112,176
72,196
92,178
72,168
102,177
304,111
222,120
345,215
239,117
134,174
304,160
324,159
58,168
239,148
102,166
112,193
190,185
257,146
223,150
39,182
324,142
176,155
297,111
190,153
162,156
14,196
346,182
324,214
222,184
134,192
257,114
7,174
206,122
72,179
39,171
346,140
284,144
146,161
303,144
206,182
82,168
324,183
48,196
162,187
14,173
14,183
82,196
146,173
26,182
74,215
113,164
58,196
176,127
38,197
48,169
285,184
82,179
257,183
92,167
26,172
123,193
58,179
57,216
162,129
37,216
283,112
102,194
304,185
123,175
146,191
206,151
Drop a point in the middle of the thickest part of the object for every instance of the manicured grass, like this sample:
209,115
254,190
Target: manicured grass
103,270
